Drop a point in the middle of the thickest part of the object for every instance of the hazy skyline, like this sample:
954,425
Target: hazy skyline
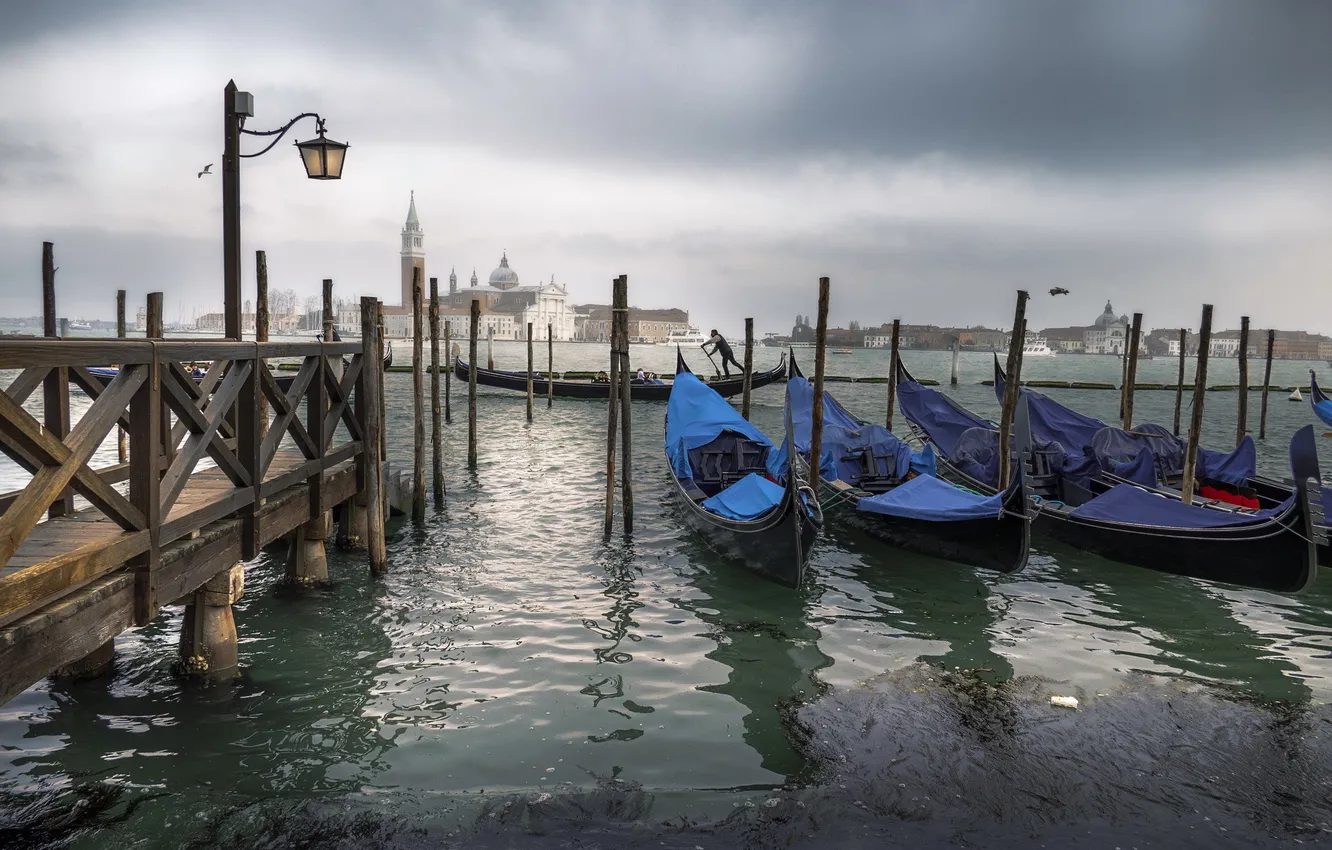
930,158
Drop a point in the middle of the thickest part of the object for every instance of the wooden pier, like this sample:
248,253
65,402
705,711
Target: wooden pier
86,553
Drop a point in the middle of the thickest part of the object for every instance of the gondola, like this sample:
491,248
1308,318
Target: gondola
896,494
1267,549
734,486
1322,405
651,390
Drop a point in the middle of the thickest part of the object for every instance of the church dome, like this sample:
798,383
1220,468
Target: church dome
504,277
1108,317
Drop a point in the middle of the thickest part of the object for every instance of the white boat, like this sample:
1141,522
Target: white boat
1036,347
689,336
79,325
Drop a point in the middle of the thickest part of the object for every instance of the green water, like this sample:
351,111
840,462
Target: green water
512,652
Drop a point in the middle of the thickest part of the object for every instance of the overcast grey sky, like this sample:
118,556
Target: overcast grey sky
930,157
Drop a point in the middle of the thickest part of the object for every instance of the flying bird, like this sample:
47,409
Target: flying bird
206,171
1059,290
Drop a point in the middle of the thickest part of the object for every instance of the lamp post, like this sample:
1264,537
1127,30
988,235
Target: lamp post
321,156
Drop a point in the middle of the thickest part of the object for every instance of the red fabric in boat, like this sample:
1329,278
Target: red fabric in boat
1229,498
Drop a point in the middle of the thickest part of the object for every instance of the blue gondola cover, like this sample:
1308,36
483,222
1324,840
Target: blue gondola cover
845,438
937,415
749,498
1128,504
1051,421
695,416
928,498
1234,467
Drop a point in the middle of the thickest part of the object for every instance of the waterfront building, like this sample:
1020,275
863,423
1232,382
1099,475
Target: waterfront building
1108,334
592,323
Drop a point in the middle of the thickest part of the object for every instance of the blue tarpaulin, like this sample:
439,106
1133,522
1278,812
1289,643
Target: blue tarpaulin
1140,470
927,498
1129,504
1234,467
749,498
695,416
845,439
1051,421
942,419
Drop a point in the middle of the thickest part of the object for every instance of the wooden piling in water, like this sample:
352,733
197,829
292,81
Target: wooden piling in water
1179,383
1131,378
1242,417
550,365
156,330
471,384
436,432
820,355
330,320
418,398
1199,394
448,373
893,354
122,438
1267,382
626,411
749,368
531,397
957,347
490,346
55,387
369,385
379,364
261,323
612,408
1012,384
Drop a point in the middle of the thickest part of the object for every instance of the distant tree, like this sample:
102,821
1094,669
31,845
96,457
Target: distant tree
853,325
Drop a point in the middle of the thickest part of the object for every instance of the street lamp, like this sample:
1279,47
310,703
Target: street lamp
321,156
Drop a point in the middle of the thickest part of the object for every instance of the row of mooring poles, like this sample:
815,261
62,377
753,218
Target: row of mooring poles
619,409
1130,372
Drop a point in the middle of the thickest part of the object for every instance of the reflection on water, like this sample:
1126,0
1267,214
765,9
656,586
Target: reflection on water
513,653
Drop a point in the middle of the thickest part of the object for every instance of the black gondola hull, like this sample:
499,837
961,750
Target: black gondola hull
517,381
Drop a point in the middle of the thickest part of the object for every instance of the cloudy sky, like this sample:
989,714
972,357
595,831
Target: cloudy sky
929,157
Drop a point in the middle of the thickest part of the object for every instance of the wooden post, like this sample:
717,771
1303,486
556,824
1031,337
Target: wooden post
1242,419
436,432
379,364
55,387
530,375
1267,380
892,371
261,323
122,439
64,327
471,385
957,347
1012,384
418,399
1131,380
626,411
371,375
448,372
329,319
550,365
490,346
1179,383
1199,394
749,368
156,330
613,399
816,423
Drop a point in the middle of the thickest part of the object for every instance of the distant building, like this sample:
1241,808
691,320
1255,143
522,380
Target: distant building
645,326
1107,335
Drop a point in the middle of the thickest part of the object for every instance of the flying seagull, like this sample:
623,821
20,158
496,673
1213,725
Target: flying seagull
206,171
1059,290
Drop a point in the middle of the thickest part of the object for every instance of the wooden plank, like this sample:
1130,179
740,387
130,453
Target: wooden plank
197,392
291,478
93,387
53,353
145,484
195,515
316,408
339,396
55,417
57,575
286,421
27,382
177,476
193,420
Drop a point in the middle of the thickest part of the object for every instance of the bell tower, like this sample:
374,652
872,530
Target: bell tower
413,252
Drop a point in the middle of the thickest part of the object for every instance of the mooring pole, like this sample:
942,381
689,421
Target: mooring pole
436,432
55,387
892,372
1179,382
957,347
122,438
749,368
448,371
157,330
1012,385
626,411
816,425
471,385
490,346
612,411
1242,419
531,375
1267,380
371,376
550,365
379,364
261,323
418,398
1131,380
1199,394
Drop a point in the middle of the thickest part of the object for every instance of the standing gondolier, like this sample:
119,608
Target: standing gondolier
722,347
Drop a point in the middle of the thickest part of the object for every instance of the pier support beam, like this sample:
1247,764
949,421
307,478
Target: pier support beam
96,663
208,634
307,559
352,533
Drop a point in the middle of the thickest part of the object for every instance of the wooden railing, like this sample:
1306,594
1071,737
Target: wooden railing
174,419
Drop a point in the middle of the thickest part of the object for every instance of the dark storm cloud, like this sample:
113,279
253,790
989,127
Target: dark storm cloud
1132,84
